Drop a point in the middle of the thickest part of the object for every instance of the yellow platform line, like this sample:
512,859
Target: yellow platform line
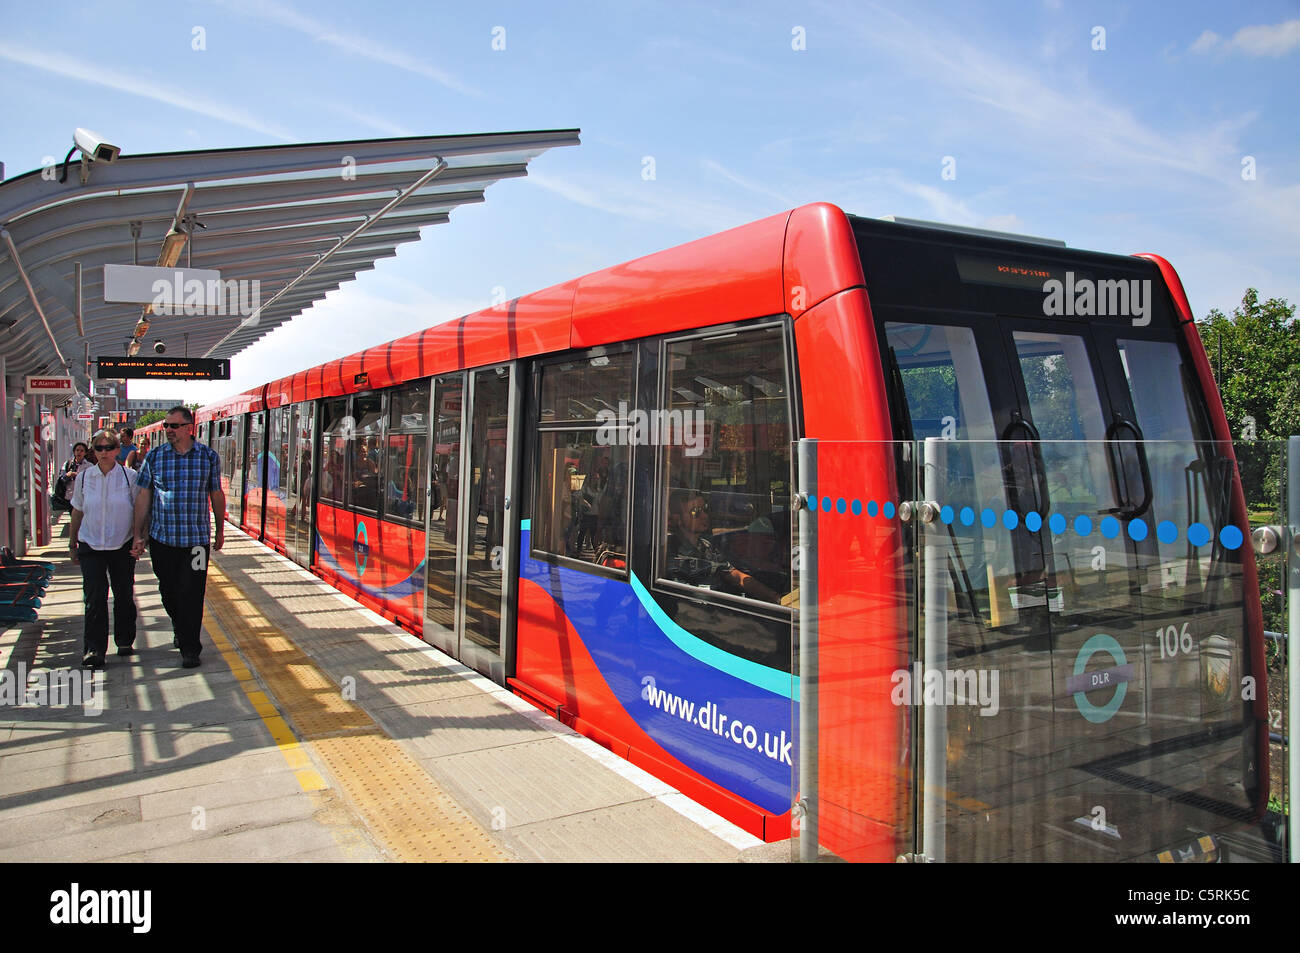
404,809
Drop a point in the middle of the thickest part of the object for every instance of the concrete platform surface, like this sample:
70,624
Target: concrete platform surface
313,731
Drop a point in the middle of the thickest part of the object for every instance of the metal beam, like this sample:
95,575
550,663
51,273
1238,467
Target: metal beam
438,168
31,292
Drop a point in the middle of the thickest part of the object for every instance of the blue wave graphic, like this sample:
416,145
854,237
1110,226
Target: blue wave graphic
401,590
641,651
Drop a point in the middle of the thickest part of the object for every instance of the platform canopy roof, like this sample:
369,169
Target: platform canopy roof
298,219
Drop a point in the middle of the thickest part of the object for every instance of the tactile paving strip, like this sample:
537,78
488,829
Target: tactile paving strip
405,810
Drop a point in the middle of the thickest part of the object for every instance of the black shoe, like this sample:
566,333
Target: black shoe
189,661
126,650
92,660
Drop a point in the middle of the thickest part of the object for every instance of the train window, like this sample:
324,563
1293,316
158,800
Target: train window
365,457
255,459
409,407
405,470
943,383
406,456
725,436
367,411
332,414
581,508
580,389
334,447
1065,404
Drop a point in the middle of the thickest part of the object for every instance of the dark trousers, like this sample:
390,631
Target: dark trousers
182,587
99,569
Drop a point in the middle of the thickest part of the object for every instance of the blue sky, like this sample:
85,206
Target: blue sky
1137,146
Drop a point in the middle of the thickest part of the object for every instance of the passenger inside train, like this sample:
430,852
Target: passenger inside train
696,559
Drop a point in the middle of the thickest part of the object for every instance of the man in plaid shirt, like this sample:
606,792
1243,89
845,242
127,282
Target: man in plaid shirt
176,482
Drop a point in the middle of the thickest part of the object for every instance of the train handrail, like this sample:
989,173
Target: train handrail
1128,511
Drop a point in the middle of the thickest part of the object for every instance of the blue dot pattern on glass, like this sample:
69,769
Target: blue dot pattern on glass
1198,534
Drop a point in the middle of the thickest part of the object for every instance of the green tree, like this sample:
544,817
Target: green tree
150,417
1255,356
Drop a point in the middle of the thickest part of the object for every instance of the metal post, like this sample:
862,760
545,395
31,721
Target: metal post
808,687
1293,632
8,453
934,655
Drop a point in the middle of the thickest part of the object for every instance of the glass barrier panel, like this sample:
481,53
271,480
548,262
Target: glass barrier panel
1039,650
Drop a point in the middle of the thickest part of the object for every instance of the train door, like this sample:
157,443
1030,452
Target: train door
471,531
254,492
298,483
235,493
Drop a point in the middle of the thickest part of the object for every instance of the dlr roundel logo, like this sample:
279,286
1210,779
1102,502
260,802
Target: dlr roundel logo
361,549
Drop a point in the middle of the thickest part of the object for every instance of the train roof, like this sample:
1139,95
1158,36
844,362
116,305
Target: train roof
786,263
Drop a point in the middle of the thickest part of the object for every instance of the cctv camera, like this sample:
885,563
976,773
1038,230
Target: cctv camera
159,347
95,147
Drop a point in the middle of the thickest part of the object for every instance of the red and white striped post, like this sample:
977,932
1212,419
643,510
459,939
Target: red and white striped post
40,491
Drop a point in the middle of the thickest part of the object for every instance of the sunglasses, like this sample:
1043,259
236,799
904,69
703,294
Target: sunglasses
175,426
103,447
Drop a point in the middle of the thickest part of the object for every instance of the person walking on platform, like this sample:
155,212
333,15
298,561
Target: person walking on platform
100,538
177,481
127,447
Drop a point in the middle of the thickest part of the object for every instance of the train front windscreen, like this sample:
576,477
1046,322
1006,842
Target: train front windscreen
1089,560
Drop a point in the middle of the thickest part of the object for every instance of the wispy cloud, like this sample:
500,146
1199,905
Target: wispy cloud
1275,40
286,16
1077,122
758,188
648,201
169,93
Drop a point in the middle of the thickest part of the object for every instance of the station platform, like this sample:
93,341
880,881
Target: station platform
314,731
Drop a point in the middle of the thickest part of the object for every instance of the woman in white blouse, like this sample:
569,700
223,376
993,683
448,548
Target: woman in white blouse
103,504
